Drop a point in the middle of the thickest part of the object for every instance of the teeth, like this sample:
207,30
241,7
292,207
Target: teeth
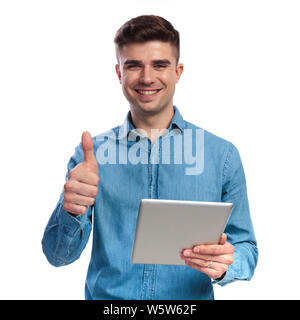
148,92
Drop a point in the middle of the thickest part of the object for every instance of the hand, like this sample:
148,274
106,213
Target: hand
212,260
81,189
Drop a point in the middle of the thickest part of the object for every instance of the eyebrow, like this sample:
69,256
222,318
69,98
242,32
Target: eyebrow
162,61
132,62
139,62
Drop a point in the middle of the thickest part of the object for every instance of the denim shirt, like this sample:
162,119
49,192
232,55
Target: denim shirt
132,168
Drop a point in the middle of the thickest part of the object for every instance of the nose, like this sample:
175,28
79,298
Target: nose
147,75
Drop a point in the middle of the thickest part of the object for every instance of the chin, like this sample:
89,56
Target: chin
148,108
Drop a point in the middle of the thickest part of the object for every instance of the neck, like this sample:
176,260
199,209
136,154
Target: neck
153,124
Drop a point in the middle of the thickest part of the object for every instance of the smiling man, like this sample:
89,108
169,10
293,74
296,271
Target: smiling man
148,73
148,69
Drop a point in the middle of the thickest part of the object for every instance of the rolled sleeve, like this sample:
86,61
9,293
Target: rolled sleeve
65,235
239,230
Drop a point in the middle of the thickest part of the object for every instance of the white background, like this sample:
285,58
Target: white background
241,81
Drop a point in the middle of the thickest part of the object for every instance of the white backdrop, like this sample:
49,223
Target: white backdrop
241,81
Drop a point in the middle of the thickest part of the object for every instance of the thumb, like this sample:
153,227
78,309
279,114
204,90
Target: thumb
87,147
223,239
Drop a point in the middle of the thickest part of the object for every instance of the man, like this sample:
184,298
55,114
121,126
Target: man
113,171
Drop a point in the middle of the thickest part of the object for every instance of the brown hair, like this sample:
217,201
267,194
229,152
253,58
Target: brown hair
146,28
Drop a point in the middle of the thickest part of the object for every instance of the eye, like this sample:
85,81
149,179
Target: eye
160,66
132,66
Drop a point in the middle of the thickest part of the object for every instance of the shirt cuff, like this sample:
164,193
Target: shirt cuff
71,221
227,278
233,272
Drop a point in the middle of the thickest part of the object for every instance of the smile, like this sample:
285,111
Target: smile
144,92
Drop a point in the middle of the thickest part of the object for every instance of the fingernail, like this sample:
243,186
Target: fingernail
187,253
197,250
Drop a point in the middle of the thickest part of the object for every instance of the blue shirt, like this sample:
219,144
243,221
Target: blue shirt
185,163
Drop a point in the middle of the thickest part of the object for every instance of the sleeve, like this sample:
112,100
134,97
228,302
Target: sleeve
239,228
65,235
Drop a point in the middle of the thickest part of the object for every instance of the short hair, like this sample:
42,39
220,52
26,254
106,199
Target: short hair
146,28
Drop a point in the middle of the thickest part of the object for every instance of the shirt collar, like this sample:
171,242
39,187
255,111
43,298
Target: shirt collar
127,125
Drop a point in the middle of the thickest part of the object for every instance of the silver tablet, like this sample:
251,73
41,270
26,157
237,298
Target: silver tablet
165,227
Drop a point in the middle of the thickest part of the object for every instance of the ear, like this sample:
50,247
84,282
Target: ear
179,70
117,67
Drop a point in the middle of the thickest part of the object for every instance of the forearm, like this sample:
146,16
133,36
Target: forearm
65,236
239,229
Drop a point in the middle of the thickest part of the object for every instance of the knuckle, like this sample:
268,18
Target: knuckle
95,192
95,180
229,259
224,269
71,174
83,210
91,201
230,247
204,263
67,186
65,206
66,197
75,173
68,207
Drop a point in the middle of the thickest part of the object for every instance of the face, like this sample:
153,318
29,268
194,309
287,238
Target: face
148,74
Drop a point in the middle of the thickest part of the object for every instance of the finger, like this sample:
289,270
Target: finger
207,264
223,239
84,176
74,208
80,188
224,259
199,262
88,148
214,249
78,199
211,272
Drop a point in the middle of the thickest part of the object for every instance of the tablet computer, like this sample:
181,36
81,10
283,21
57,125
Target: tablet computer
165,227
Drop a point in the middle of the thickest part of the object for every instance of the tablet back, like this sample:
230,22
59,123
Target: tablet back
165,227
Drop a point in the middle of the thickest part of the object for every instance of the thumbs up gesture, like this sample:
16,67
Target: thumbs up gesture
81,188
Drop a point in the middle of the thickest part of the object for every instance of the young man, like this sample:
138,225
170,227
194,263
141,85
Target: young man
113,171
